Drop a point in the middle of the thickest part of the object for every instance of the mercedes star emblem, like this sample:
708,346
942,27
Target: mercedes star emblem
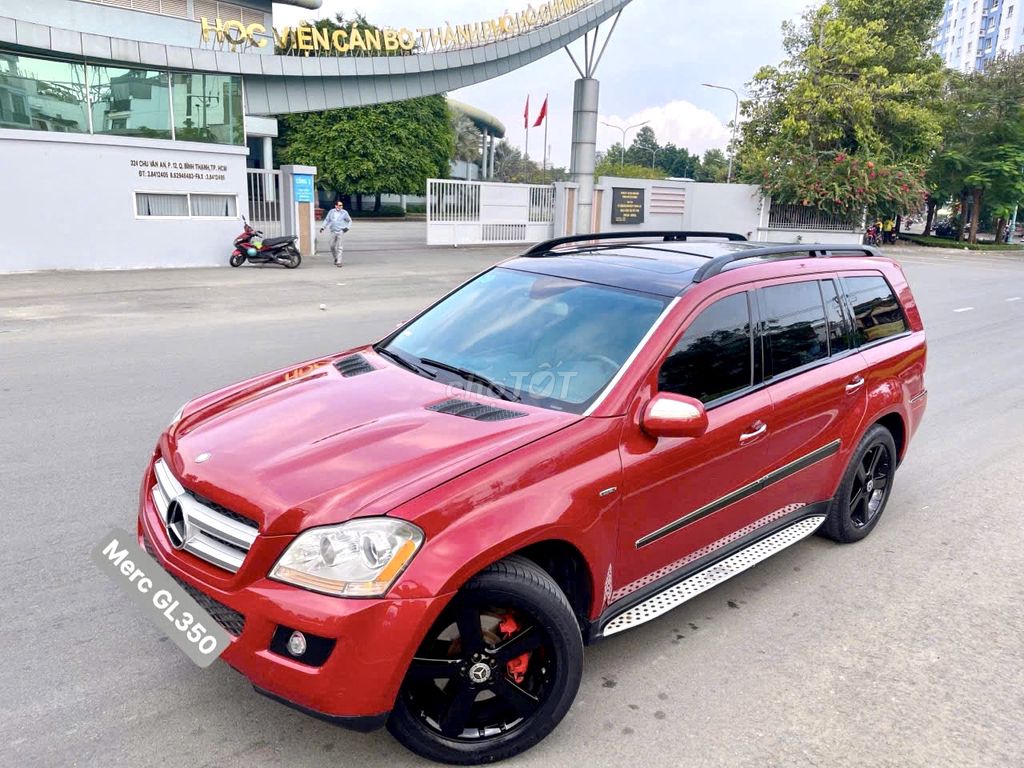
176,526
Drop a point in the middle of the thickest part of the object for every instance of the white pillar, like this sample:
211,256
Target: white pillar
298,217
584,149
268,165
483,155
268,153
494,147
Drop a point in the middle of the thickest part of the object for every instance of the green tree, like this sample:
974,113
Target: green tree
982,157
714,166
610,166
511,166
615,153
678,162
467,138
851,118
383,148
645,148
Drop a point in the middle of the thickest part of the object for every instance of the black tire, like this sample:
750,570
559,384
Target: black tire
860,501
446,713
294,258
237,259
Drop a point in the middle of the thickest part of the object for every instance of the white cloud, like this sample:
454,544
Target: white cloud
678,122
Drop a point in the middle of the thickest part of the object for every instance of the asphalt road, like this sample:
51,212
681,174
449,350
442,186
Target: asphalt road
904,650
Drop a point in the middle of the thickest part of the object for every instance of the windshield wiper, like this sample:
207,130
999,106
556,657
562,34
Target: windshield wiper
405,363
505,393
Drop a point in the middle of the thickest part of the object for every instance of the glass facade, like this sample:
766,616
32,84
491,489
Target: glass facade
42,95
49,95
208,108
130,102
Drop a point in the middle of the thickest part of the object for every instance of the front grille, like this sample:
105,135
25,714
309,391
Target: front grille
229,618
225,511
208,531
232,621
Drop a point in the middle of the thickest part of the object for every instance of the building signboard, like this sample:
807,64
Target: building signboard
307,39
627,205
303,188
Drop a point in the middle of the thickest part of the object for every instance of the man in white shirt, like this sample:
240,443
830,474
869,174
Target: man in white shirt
339,222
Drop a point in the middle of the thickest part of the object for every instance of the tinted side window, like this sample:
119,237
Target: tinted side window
876,310
713,358
838,330
795,329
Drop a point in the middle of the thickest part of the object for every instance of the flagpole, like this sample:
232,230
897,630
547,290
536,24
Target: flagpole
547,119
526,125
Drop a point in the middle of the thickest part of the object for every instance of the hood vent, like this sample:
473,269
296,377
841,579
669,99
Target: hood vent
353,365
476,411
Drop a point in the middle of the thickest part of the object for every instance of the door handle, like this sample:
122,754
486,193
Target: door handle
854,385
758,429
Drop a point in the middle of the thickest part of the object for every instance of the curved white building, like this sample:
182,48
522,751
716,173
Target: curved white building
131,123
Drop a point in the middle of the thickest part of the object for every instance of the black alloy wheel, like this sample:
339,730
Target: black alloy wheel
865,488
496,672
294,257
237,259
870,484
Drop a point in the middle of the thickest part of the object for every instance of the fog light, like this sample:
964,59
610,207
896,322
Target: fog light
297,644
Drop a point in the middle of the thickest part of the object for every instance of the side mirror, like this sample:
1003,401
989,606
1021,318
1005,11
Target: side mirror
669,415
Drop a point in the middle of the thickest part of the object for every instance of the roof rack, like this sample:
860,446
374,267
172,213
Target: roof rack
545,248
815,251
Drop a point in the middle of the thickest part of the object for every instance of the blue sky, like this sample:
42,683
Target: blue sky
660,54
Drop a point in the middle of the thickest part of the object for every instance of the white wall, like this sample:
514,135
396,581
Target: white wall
687,205
809,236
67,202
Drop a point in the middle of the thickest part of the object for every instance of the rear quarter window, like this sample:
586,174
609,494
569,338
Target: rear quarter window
877,313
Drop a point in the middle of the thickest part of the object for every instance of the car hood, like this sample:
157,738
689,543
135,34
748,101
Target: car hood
310,446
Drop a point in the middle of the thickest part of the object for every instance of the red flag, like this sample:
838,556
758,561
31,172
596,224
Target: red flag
526,113
543,114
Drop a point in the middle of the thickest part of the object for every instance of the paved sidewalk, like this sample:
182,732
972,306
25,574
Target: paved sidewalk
386,264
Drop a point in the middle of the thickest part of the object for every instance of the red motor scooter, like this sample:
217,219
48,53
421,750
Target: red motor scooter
253,247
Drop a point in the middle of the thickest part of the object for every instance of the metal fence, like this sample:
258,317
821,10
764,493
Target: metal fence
803,217
475,212
265,201
542,204
451,201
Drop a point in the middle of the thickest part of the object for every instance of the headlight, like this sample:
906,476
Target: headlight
360,558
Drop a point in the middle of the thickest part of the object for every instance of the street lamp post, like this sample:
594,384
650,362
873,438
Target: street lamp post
622,152
735,124
654,154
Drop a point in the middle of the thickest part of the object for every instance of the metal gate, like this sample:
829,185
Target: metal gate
477,213
265,201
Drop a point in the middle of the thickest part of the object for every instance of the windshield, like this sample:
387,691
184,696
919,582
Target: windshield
548,341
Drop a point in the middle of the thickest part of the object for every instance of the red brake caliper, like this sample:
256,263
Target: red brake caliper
517,667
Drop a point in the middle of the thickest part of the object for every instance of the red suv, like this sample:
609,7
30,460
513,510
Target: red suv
426,532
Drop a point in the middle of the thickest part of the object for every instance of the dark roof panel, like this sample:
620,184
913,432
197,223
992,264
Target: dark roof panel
666,268
635,269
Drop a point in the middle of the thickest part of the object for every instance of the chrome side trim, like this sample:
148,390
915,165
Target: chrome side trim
703,580
629,360
208,534
741,493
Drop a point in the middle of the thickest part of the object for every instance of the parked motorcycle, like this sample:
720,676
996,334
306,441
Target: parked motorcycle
253,247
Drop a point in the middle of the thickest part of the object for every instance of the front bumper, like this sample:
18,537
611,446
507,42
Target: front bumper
375,639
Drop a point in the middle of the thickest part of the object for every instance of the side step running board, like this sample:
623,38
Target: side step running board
702,581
